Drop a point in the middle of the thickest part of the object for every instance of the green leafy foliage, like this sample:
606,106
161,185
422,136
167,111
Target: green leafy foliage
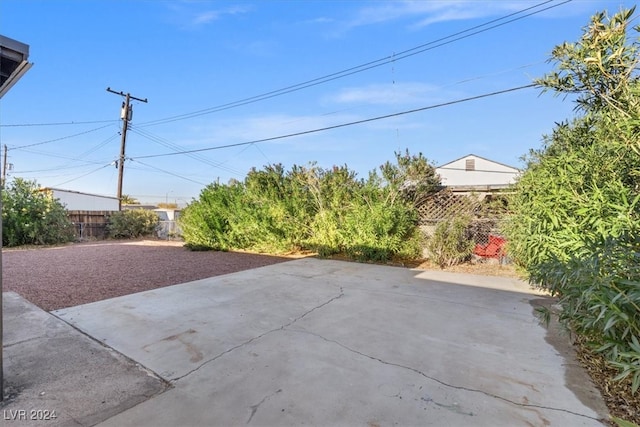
128,200
412,176
576,210
330,211
131,224
450,244
33,217
622,423
600,295
377,226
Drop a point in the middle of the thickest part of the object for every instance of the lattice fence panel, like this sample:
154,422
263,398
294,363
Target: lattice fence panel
446,205
487,214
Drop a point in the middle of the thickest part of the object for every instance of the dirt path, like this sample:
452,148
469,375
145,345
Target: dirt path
66,276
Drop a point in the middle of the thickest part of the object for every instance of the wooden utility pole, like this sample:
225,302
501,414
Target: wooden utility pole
4,167
125,114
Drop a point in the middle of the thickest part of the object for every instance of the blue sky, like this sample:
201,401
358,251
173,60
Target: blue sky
191,57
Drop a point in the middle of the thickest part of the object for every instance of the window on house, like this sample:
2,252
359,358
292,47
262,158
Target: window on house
470,164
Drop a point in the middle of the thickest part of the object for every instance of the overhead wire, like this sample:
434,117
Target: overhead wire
313,82
366,66
98,146
83,175
353,70
59,156
58,139
168,172
57,123
79,158
341,125
168,144
21,172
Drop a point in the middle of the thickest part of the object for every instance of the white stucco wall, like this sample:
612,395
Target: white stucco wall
76,201
486,173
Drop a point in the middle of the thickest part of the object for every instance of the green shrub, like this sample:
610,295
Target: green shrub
576,209
326,210
130,224
206,222
379,231
599,291
33,217
269,212
450,244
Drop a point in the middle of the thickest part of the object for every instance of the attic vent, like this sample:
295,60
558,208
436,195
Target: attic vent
470,165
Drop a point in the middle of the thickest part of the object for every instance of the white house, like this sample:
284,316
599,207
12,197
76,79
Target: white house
475,172
77,201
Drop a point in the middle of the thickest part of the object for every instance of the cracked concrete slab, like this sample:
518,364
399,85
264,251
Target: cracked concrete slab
322,342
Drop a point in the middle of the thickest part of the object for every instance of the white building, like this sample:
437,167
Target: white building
77,201
474,172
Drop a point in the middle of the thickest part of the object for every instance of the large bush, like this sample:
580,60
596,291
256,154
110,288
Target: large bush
364,220
33,217
576,209
130,224
267,212
326,210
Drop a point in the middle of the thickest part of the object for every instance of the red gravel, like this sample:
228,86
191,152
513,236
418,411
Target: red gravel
54,278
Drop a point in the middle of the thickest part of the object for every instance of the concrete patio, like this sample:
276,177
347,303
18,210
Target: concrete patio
320,342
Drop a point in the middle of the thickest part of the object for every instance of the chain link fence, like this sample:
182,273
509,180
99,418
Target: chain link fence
169,230
486,213
90,231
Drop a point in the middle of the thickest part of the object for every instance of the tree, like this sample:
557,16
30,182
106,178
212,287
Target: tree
413,177
599,67
576,209
563,196
128,200
32,217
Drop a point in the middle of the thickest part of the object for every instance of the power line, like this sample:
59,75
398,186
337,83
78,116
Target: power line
57,168
59,156
56,124
367,66
76,158
169,173
357,122
166,143
330,77
58,139
83,175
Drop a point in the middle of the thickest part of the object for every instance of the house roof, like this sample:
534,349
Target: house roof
479,157
77,192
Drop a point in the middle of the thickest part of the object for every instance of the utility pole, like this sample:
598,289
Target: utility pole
125,114
4,167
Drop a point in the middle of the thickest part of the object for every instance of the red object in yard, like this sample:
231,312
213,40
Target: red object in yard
494,249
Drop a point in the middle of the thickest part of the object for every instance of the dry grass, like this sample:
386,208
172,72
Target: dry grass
616,394
483,269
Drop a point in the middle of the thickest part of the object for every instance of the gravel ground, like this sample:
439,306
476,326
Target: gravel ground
66,276
59,277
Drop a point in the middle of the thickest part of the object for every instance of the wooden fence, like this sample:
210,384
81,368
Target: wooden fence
90,224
